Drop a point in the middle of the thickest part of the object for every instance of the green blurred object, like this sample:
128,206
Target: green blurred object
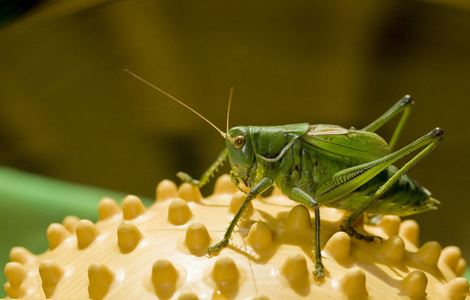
29,203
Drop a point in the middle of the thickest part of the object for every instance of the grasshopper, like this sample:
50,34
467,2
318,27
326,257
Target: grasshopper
327,165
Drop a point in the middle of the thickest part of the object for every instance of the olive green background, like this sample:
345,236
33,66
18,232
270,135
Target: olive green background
68,111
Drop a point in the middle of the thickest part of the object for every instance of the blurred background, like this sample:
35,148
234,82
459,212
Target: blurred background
69,112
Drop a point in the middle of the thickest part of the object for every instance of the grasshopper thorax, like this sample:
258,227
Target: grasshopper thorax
248,144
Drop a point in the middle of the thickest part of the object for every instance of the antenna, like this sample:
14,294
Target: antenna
176,100
228,110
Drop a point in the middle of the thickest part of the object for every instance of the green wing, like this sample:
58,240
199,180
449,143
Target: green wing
363,146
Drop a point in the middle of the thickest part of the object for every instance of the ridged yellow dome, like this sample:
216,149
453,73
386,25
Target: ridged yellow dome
134,252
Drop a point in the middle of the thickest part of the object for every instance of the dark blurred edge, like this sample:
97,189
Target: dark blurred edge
12,9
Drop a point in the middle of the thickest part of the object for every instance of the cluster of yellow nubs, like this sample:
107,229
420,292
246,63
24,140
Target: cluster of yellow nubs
159,252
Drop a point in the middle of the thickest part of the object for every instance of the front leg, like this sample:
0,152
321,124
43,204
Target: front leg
207,174
260,187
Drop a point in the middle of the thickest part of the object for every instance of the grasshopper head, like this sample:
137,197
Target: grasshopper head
240,151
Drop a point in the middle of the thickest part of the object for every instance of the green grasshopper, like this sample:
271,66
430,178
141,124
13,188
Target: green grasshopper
325,165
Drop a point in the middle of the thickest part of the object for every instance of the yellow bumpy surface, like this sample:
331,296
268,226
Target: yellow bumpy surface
134,252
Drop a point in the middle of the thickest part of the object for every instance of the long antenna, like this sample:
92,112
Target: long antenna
176,100
228,109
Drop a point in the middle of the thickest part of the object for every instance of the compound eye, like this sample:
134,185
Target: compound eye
239,141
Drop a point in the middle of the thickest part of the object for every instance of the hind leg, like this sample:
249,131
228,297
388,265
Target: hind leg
433,138
403,105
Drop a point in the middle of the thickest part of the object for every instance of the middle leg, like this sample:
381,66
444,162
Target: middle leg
305,198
